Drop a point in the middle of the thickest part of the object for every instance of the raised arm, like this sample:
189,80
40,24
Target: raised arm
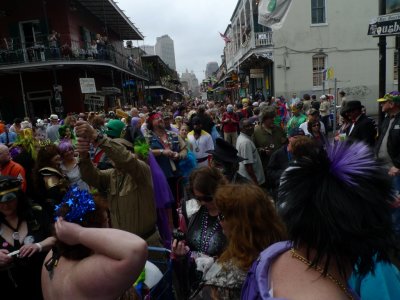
118,259
122,158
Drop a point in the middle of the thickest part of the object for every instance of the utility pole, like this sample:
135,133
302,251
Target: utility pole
382,61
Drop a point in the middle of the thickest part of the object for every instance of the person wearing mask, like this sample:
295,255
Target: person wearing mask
251,167
128,184
230,124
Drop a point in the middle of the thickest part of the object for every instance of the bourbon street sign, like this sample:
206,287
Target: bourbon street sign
385,25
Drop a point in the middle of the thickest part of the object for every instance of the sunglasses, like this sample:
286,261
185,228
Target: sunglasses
205,198
316,125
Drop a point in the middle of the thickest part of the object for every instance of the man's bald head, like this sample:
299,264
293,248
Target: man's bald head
4,154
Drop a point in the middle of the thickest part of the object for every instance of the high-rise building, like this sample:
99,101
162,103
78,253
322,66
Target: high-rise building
150,50
211,68
165,49
192,82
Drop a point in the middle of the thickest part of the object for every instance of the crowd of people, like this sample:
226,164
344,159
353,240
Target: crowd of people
254,199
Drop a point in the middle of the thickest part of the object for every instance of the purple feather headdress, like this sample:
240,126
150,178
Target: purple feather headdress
347,161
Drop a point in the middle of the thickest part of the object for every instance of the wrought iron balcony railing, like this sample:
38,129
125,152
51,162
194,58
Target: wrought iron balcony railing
13,51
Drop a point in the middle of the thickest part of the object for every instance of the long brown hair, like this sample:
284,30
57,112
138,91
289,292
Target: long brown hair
252,220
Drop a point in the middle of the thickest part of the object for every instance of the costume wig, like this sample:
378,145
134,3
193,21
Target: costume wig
338,205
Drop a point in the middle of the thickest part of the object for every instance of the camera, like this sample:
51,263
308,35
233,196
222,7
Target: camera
178,235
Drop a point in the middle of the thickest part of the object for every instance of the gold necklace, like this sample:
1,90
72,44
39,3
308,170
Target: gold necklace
319,269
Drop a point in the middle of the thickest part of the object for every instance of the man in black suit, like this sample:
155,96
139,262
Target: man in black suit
362,128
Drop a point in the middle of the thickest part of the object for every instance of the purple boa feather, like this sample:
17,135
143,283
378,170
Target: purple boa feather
350,160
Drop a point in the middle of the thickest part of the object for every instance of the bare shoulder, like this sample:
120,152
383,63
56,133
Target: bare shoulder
59,284
292,279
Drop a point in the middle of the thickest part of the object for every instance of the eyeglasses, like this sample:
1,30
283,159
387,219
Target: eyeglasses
317,125
205,198
221,218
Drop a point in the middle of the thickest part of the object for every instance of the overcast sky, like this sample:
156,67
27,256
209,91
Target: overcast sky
192,24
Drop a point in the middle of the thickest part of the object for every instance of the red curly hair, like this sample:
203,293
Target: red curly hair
252,221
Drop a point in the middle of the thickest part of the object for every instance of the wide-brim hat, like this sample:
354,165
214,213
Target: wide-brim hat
225,152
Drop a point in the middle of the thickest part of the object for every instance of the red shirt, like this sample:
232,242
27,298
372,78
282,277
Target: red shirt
230,126
15,170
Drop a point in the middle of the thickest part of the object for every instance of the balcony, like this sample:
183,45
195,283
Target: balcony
254,42
13,52
263,39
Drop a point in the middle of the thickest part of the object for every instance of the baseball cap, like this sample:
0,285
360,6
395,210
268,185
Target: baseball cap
312,111
296,131
392,96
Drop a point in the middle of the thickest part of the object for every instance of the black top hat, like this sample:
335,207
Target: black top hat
225,152
351,105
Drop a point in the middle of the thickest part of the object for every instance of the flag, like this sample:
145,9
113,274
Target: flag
226,39
330,74
272,13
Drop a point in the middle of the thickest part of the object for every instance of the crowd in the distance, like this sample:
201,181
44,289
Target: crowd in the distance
255,200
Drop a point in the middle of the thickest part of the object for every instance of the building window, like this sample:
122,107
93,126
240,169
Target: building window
318,12
319,63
